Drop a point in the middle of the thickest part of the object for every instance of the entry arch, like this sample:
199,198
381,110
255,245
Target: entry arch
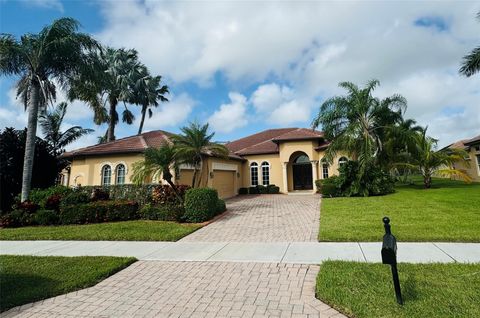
301,171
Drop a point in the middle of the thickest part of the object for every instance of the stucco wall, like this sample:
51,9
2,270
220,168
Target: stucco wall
471,166
275,169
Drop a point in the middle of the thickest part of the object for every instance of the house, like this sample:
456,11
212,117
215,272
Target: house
290,158
472,147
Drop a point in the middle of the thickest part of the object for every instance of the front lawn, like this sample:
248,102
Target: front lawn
429,290
449,211
115,231
26,279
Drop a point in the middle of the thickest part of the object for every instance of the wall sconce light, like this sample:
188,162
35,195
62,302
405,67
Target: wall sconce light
211,174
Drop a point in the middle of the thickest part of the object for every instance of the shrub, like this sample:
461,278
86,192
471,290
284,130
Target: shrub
253,190
273,189
163,212
141,194
329,187
15,218
165,194
221,206
45,217
99,195
40,196
318,185
53,202
200,204
99,211
28,207
262,189
75,198
243,191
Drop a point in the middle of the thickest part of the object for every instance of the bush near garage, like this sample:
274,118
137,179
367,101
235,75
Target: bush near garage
98,212
221,206
164,193
200,204
243,191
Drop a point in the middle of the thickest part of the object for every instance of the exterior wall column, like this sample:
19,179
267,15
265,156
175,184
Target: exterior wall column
314,174
284,173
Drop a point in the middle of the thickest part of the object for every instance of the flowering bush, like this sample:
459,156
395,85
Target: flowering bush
165,194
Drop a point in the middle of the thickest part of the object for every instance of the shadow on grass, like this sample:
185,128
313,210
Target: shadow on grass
19,289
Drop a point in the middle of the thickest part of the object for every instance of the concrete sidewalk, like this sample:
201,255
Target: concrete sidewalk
293,253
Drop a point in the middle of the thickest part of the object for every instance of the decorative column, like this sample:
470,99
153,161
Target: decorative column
285,180
314,174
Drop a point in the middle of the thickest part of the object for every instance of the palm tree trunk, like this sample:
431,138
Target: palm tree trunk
194,176
167,176
427,181
201,172
30,141
113,118
144,111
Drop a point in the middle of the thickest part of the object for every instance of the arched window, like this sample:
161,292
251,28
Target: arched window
120,174
106,175
342,161
302,159
254,173
265,173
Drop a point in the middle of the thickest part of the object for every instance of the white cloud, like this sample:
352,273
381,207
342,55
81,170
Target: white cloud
169,114
49,4
230,116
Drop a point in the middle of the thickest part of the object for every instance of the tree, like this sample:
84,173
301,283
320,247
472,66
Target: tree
12,151
430,162
471,62
194,144
51,122
147,92
358,122
161,160
56,54
110,79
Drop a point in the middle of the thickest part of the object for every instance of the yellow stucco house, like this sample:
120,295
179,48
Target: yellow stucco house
472,147
290,158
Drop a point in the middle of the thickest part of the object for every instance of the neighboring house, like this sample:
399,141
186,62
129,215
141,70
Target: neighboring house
472,147
290,158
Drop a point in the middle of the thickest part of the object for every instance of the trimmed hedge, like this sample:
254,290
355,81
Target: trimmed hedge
98,212
41,196
243,191
260,189
221,206
164,193
200,204
16,218
45,217
75,198
163,212
142,194
273,189
253,190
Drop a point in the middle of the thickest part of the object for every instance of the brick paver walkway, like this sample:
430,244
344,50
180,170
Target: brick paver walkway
192,289
265,218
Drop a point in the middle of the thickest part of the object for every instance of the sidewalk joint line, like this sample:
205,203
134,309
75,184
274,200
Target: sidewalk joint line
285,253
361,250
216,252
445,252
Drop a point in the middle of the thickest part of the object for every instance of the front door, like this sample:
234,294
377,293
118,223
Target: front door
302,177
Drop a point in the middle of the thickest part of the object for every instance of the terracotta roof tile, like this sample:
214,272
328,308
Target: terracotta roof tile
249,141
474,140
300,134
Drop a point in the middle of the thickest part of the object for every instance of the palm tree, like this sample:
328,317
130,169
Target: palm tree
358,122
194,144
161,160
147,92
55,54
51,122
430,162
111,80
471,62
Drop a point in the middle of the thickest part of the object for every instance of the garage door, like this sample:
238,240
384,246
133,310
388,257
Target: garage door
224,182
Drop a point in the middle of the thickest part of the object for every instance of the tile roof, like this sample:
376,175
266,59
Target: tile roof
266,142
464,143
472,141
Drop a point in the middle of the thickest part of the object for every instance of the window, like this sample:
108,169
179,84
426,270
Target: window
302,159
342,161
106,175
120,174
325,170
254,173
265,173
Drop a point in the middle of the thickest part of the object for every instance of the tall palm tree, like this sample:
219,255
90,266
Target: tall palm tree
51,122
161,160
56,54
430,162
193,144
147,92
471,62
358,122
111,80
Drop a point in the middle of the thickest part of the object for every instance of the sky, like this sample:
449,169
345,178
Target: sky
247,66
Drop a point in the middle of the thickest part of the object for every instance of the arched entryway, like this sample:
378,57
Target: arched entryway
302,172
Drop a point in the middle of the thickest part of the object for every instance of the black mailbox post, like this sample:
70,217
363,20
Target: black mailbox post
389,256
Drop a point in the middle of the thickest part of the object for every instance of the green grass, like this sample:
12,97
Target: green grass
115,231
429,290
25,279
449,211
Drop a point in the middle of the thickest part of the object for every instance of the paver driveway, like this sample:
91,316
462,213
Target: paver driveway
265,218
193,289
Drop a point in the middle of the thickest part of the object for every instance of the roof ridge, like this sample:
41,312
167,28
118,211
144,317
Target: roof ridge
142,140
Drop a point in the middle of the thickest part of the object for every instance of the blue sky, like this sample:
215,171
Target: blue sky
248,66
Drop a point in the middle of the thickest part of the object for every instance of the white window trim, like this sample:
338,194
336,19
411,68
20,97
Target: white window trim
112,174
250,173
125,173
269,171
